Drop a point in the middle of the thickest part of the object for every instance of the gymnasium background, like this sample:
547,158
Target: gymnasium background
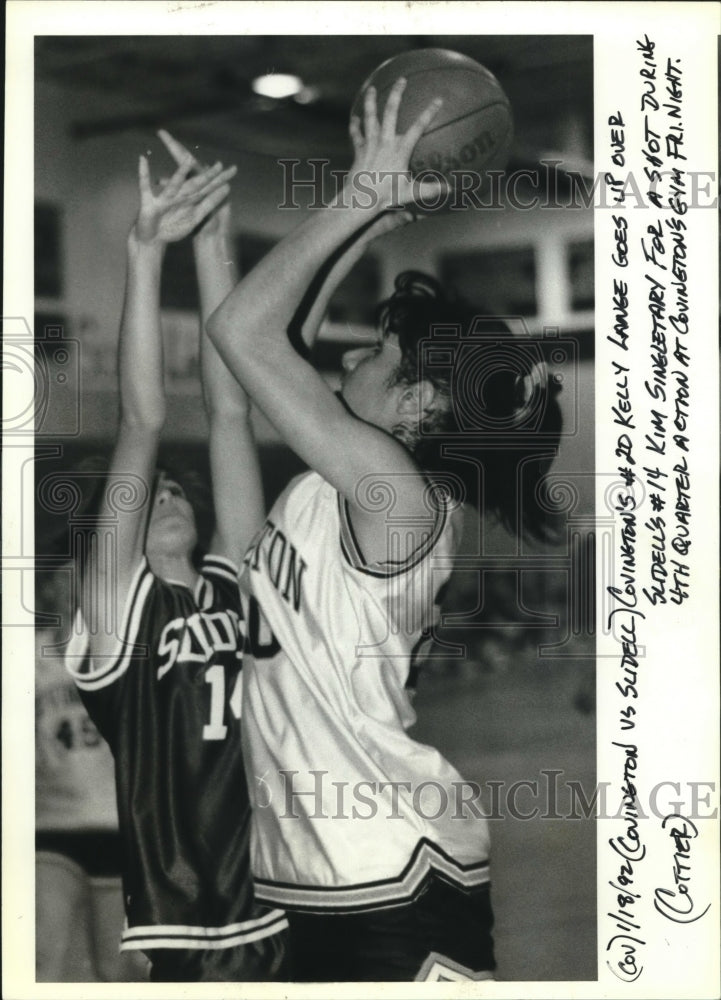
519,707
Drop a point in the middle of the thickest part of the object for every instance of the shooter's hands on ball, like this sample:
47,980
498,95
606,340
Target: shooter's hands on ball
382,156
182,203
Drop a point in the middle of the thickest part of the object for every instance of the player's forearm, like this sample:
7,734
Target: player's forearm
342,262
217,276
140,353
261,307
237,485
340,268
216,269
142,413
235,474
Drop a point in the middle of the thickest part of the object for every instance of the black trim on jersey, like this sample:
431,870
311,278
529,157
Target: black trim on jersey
354,555
351,908
384,899
91,677
221,566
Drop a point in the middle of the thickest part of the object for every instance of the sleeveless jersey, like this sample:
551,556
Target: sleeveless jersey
168,704
349,813
74,771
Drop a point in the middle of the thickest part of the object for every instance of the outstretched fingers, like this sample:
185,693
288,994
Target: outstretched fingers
146,187
178,179
176,149
421,123
210,202
206,183
356,133
390,112
193,185
370,114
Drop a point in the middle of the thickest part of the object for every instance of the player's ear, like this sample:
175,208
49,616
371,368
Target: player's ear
416,399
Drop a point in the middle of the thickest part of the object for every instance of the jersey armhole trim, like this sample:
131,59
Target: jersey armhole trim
112,667
220,566
216,573
354,556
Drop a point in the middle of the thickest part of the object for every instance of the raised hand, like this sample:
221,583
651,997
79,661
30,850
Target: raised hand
181,204
217,222
380,150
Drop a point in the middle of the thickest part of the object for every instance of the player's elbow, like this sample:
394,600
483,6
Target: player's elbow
215,324
221,326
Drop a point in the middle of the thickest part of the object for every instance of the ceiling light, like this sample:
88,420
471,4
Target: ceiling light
277,85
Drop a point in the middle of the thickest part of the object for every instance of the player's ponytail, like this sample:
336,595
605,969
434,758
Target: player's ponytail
495,401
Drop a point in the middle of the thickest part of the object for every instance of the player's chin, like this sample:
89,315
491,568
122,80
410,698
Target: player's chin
173,533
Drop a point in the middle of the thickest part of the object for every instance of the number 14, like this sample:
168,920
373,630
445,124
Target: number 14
215,729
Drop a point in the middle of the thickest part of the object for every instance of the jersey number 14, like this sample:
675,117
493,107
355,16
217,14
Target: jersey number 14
215,728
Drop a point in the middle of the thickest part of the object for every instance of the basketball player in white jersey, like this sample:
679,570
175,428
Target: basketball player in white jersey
360,833
159,656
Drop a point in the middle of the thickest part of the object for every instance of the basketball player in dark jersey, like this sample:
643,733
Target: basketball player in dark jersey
345,574
157,657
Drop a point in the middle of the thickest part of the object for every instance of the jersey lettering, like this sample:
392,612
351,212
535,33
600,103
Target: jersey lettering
168,646
195,639
194,646
253,554
263,644
272,551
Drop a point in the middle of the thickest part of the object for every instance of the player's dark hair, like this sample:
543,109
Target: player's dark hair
91,475
199,495
485,388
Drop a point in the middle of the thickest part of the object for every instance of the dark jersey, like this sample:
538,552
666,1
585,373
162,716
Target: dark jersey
168,703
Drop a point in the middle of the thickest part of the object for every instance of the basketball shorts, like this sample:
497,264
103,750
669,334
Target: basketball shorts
265,960
98,853
444,934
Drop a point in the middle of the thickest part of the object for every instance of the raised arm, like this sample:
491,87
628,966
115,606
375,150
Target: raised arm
163,217
341,264
234,466
250,328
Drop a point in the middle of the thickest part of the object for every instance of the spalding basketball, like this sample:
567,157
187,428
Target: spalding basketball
472,130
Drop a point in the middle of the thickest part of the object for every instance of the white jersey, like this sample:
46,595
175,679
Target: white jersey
349,812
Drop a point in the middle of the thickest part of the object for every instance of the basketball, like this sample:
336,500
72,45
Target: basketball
472,130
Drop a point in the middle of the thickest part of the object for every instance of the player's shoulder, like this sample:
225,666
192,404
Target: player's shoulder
303,487
303,506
